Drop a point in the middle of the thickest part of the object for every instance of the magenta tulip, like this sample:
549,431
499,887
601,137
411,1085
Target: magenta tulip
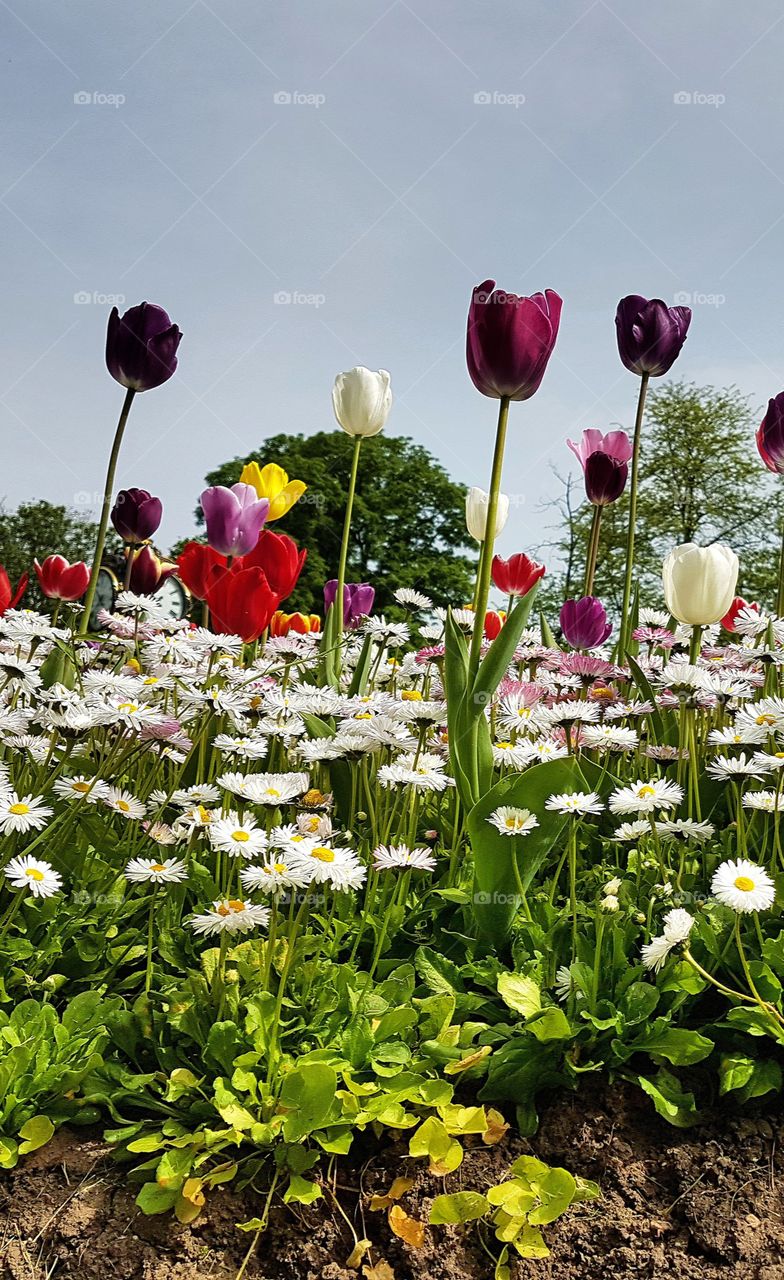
510,340
234,517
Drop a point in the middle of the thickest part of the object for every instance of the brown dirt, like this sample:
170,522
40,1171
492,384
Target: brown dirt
705,1203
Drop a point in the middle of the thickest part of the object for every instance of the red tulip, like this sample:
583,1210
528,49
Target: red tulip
731,616
280,560
241,602
516,576
10,599
493,623
197,568
60,580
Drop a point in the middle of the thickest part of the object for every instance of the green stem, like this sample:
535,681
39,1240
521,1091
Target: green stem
486,561
593,550
627,585
780,592
338,605
107,502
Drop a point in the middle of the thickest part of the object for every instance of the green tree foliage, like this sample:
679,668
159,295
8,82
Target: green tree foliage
39,529
701,480
408,526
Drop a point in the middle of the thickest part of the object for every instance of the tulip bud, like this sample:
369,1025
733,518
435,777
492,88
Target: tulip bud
234,518
699,582
584,623
362,400
517,575
358,600
60,580
136,515
493,623
476,513
510,340
650,334
141,347
770,435
603,459
10,597
148,572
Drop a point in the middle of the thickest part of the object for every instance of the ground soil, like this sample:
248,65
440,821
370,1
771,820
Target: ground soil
703,1203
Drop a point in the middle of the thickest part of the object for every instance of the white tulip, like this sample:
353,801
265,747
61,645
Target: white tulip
476,513
699,582
362,400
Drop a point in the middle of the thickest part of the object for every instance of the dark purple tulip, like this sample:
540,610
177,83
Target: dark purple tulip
510,339
584,623
605,479
358,600
770,435
141,347
148,572
650,334
136,514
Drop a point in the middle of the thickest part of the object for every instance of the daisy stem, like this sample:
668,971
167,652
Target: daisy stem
623,639
767,1009
219,988
150,924
572,851
105,508
597,958
15,905
720,986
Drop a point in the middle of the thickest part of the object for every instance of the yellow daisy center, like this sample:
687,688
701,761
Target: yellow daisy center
744,884
323,854
19,809
766,718
158,866
240,837
503,746
279,867
81,787
644,792
411,695
34,874
128,706
270,791
233,904
123,805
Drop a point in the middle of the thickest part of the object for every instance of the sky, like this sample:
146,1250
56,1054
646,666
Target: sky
309,186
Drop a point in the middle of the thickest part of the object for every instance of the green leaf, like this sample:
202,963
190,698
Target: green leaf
520,993
551,1024
301,1190
494,665
676,1044
461,1206
670,1100
556,1191
154,1199
307,1095
35,1133
359,679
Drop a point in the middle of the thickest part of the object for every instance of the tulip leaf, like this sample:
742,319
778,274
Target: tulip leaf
496,895
643,684
359,679
548,637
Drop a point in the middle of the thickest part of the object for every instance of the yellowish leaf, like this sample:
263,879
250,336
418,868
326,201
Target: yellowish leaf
398,1189
497,1128
381,1271
358,1253
465,1064
408,1229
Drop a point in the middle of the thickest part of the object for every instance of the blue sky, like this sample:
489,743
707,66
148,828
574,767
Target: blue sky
370,162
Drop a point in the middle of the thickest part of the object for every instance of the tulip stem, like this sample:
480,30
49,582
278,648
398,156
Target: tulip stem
780,593
338,605
486,559
104,520
593,550
627,585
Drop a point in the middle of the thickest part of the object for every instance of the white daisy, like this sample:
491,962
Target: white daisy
743,886
725,767
645,797
686,829
513,822
577,803
240,837
31,873
170,871
81,788
412,599
275,876
399,855
25,813
124,802
230,915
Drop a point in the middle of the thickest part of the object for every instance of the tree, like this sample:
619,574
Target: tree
36,530
701,480
408,526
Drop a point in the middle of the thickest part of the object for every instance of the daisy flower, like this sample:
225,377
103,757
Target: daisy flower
607,737
276,876
576,803
412,599
734,767
337,866
31,873
399,855
766,801
677,926
230,915
81,788
513,822
645,797
238,836
25,813
743,886
515,755
170,871
124,802
685,829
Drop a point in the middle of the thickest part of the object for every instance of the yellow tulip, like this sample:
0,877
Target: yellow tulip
272,482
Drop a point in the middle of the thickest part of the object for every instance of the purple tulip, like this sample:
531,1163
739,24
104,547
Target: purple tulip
650,334
234,518
603,459
770,435
358,600
136,515
510,340
584,623
148,572
141,347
